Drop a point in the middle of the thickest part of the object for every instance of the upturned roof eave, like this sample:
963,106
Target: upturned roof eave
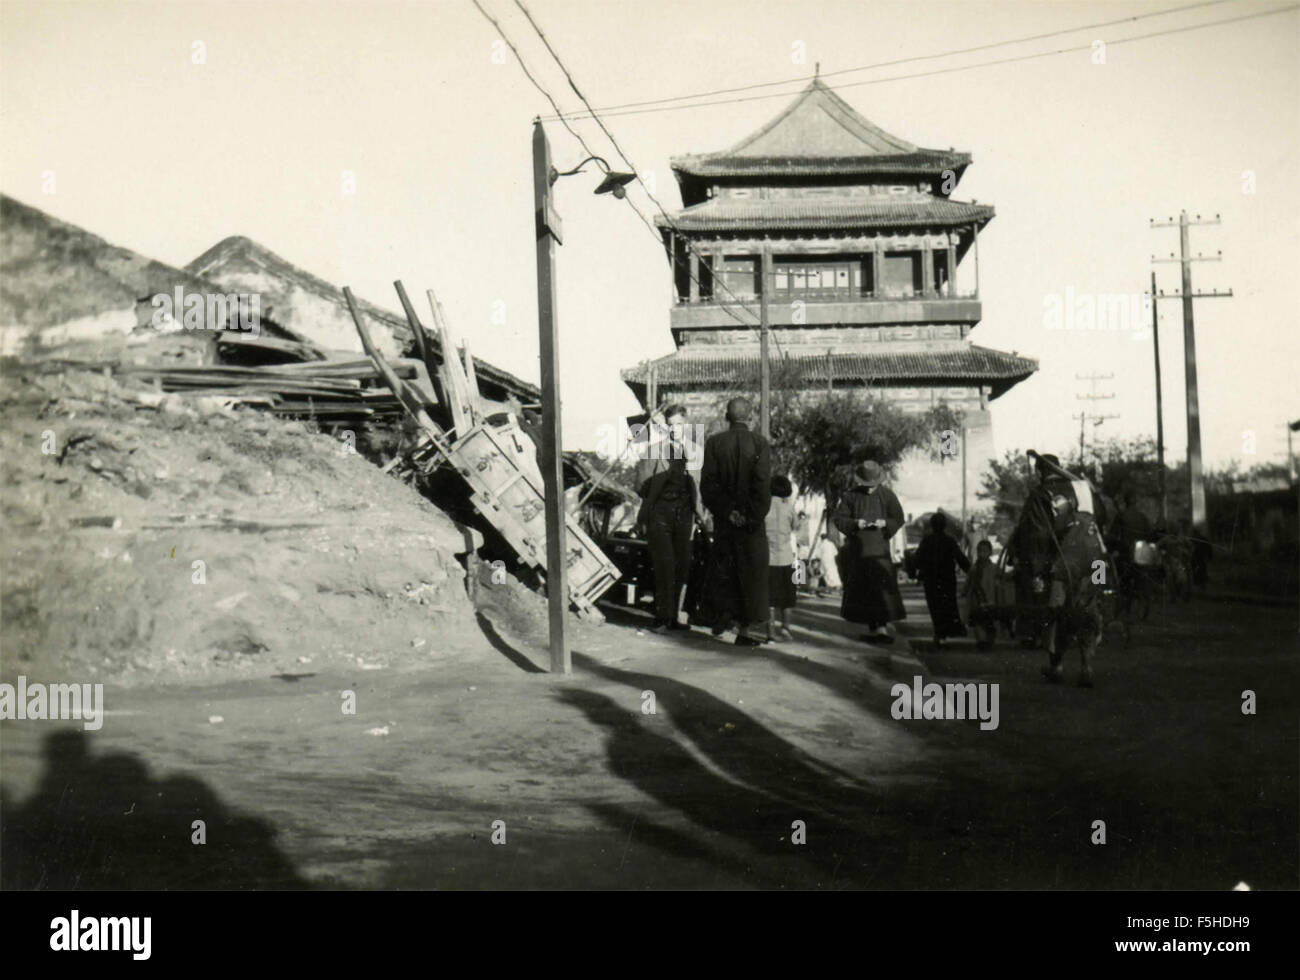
1018,369
922,161
683,220
998,386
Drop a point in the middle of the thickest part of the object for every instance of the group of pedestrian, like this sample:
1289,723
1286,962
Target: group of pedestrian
727,489
751,574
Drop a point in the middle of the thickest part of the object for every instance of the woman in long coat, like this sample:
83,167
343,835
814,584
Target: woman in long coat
936,564
868,515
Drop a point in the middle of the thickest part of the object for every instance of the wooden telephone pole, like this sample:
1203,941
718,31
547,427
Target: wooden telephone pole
1084,416
1194,471
765,328
1160,413
1290,459
549,234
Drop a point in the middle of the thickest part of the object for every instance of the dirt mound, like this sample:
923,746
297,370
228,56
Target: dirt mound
149,537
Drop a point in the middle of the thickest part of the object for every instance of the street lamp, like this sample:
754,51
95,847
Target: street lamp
552,462
614,182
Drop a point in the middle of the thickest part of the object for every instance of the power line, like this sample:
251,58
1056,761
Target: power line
632,166
560,116
922,57
1194,474
958,68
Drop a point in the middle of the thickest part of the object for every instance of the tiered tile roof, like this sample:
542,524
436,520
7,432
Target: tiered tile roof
820,133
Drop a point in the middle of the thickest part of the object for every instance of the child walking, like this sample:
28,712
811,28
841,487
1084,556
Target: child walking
982,596
782,522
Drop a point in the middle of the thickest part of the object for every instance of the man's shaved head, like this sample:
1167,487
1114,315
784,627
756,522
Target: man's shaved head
739,410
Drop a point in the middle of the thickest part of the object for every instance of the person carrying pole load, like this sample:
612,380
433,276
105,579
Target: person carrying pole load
1078,580
1032,550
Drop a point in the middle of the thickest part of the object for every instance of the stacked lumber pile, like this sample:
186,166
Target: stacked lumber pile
329,391
348,390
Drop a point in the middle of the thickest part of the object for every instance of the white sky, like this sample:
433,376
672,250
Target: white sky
165,156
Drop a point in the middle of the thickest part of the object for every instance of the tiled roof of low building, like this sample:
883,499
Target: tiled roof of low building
319,304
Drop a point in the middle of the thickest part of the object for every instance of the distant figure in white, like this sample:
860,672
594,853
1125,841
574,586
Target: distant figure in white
828,558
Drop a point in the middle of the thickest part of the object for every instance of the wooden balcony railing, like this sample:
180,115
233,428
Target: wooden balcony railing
826,296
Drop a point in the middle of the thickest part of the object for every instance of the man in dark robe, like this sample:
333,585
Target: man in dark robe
937,559
735,484
868,515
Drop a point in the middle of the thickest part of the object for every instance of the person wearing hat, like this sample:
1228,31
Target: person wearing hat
868,515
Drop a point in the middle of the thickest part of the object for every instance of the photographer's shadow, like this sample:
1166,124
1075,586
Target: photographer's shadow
103,822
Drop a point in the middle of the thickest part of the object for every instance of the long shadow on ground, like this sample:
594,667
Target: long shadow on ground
763,783
103,822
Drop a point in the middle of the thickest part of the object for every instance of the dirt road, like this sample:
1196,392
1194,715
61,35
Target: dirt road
583,787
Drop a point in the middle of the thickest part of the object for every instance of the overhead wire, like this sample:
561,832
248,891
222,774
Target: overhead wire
588,150
955,68
913,58
716,281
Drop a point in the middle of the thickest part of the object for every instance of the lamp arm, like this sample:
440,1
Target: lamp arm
556,174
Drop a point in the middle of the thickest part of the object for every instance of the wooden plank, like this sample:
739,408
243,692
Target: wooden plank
451,363
455,372
481,450
306,352
417,334
471,383
410,398
424,342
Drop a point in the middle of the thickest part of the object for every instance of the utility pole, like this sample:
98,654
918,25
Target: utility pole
1185,259
552,462
549,234
1097,419
1160,414
1290,460
964,536
765,326
1290,454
